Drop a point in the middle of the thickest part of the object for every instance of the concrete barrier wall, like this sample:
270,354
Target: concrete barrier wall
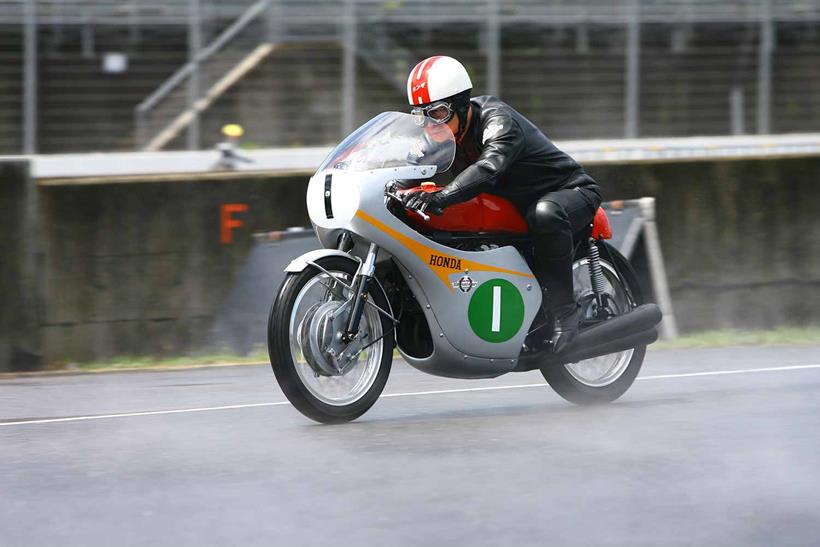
741,239
20,257
140,268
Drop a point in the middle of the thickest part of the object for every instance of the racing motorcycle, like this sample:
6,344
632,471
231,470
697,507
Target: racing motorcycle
454,293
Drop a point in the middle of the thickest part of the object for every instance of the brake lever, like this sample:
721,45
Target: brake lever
421,213
390,193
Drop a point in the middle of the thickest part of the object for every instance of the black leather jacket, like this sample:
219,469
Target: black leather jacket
505,154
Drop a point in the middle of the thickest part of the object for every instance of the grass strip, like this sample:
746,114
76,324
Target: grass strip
791,336
130,363
781,336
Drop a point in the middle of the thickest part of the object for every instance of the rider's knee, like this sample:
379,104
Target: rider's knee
548,217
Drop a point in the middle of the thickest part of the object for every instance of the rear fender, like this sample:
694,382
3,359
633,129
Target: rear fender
600,225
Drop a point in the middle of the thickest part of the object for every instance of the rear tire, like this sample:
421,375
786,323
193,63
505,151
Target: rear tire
312,393
569,380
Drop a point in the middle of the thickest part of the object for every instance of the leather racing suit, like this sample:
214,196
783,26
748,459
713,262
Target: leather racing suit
505,154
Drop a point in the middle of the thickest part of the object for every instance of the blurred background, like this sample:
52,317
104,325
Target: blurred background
81,76
126,253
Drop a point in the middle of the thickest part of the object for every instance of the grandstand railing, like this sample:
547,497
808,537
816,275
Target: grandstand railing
633,67
561,11
169,110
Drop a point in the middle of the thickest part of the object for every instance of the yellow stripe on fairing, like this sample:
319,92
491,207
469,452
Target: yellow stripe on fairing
425,253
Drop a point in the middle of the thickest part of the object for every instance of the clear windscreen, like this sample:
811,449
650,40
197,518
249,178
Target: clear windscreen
394,139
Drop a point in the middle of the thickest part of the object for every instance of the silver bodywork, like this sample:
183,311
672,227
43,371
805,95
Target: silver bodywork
440,288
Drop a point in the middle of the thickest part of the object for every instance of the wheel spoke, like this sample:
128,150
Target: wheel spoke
312,351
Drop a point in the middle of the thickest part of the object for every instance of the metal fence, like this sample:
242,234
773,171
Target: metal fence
82,75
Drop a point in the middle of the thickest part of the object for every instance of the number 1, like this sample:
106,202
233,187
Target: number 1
496,325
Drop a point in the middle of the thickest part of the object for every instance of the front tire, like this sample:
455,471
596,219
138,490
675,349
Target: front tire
601,379
294,348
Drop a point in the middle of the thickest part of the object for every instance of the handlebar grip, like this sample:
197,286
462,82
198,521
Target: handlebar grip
390,193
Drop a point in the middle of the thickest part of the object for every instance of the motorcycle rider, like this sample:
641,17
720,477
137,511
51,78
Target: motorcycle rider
501,152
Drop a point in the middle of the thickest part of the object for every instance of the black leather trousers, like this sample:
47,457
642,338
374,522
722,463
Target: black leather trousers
553,219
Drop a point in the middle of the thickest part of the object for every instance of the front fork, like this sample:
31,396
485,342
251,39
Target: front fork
360,285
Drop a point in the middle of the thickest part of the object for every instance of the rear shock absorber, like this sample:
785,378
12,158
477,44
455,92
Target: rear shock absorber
596,275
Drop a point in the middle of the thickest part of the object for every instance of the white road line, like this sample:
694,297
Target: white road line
147,413
724,372
407,394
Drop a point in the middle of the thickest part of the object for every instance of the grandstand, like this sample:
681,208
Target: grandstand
84,75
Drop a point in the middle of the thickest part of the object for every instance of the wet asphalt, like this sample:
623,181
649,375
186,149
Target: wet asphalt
709,447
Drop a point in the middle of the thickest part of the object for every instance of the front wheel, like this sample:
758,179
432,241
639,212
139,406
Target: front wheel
326,380
601,379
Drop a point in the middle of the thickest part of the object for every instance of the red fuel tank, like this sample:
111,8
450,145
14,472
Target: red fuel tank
484,213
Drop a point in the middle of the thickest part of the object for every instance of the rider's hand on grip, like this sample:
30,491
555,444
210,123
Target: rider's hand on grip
422,201
435,210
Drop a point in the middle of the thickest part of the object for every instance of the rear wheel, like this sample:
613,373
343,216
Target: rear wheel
323,378
601,379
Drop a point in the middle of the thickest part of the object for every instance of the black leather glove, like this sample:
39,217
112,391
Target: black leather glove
431,199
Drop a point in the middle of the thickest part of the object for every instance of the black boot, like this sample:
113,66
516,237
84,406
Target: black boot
566,327
556,277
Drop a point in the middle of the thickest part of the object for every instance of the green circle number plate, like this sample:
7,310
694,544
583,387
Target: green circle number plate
496,311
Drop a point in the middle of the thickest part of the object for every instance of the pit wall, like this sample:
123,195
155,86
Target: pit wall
20,266
94,271
740,239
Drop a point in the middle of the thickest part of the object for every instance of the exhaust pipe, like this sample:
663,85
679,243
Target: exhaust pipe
614,346
640,319
617,334
636,328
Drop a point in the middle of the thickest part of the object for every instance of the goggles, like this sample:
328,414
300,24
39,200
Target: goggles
439,113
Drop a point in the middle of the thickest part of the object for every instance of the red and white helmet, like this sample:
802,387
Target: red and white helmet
436,78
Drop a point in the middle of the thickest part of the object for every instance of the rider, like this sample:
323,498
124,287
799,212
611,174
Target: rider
501,152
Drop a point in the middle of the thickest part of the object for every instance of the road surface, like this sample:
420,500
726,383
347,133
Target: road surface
709,447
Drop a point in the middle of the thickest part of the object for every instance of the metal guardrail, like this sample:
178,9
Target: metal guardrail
304,161
633,219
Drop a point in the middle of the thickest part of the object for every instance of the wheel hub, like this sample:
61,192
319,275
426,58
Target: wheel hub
590,313
321,339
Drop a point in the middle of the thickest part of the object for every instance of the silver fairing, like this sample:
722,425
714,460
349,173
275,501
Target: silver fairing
477,329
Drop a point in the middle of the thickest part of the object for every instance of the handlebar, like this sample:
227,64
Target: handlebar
422,214
389,191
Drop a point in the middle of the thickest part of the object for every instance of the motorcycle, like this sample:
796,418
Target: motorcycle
454,293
